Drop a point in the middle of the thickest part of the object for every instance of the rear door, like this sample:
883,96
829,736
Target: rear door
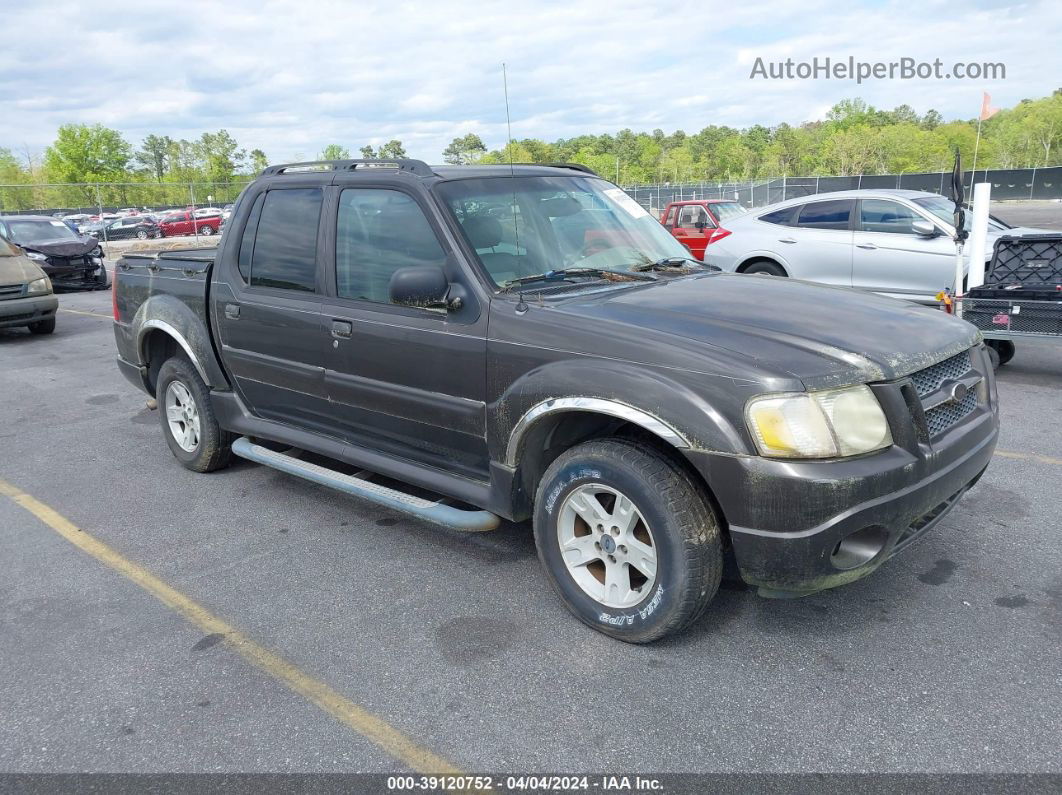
891,258
406,380
818,245
267,307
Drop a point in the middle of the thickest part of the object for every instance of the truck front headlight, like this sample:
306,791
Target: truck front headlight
39,287
828,424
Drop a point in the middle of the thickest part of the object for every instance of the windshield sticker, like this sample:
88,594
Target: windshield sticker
632,208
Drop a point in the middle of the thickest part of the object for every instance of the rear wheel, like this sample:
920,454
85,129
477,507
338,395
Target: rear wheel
142,234
188,422
767,267
206,230
629,542
43,326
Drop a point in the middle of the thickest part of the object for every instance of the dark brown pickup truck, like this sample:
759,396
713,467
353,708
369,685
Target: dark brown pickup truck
529,343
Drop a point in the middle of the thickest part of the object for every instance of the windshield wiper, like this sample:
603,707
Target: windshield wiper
562,274
668,264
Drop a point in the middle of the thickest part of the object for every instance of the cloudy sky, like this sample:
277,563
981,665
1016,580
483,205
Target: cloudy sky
292,76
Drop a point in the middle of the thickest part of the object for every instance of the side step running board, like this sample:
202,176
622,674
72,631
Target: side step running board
437,512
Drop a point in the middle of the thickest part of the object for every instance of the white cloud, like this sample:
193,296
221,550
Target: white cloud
292,76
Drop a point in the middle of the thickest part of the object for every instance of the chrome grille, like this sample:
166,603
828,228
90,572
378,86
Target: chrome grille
941,418
929,380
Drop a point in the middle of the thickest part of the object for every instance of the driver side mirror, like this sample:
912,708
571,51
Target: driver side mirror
423,287
925,228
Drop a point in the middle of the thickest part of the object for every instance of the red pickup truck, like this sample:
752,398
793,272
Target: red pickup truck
185,222
699,223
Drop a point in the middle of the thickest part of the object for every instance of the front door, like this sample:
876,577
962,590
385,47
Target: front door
406,380
693,227
891,258
268,309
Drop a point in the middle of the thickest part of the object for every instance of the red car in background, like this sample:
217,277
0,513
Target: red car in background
185,222
699,223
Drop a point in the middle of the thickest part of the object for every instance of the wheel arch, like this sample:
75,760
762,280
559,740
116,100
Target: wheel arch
165,325
751,260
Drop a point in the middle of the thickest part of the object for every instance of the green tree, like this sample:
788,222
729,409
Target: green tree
464,150
334,152
258,160
391,149
152,154
87,154
221,156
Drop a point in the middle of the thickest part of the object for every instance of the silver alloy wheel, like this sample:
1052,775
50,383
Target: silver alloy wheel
206,230
182,414
607,545
141,234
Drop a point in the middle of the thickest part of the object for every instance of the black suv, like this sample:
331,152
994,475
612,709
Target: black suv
529,343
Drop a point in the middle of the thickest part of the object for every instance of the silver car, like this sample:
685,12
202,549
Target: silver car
893,242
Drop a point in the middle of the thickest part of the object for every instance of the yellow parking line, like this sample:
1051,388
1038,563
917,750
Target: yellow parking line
1043,459
90,314
360,720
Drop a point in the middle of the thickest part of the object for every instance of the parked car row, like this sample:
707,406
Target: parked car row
71,260
898,243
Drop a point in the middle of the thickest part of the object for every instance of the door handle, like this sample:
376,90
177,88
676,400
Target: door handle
232,311
868,246
786,240
342,328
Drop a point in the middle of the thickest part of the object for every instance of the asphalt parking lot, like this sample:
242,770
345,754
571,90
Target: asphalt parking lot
947,659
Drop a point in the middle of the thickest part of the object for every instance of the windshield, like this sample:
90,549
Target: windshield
525,226
37,231
727,210
944,209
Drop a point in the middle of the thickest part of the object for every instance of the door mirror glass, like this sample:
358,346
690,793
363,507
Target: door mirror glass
924,228
421,286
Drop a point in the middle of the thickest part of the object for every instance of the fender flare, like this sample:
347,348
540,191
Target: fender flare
175,319
613,408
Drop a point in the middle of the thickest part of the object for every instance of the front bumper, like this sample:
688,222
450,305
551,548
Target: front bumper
23,311
798,527
77,275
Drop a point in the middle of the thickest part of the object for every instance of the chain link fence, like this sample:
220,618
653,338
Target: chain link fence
1007,185
99,198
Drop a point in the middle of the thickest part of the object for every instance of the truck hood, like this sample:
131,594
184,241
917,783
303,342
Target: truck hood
824,336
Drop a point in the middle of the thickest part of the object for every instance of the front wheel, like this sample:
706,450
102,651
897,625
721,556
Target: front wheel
188,422
141,234
1004,349
43,326
206,230
629,542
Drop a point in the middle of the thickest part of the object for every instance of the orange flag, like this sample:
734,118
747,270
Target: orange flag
987,111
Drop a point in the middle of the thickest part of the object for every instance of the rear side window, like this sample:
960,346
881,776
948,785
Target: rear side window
826,215
285,247
783,217
247,241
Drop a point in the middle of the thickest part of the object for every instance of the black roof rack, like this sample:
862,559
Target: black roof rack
418,167
573,166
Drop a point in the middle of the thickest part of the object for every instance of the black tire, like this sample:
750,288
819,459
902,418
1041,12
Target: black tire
214,448
43,326
102,278
993,357
1004,349
206,231
685,534
767,267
